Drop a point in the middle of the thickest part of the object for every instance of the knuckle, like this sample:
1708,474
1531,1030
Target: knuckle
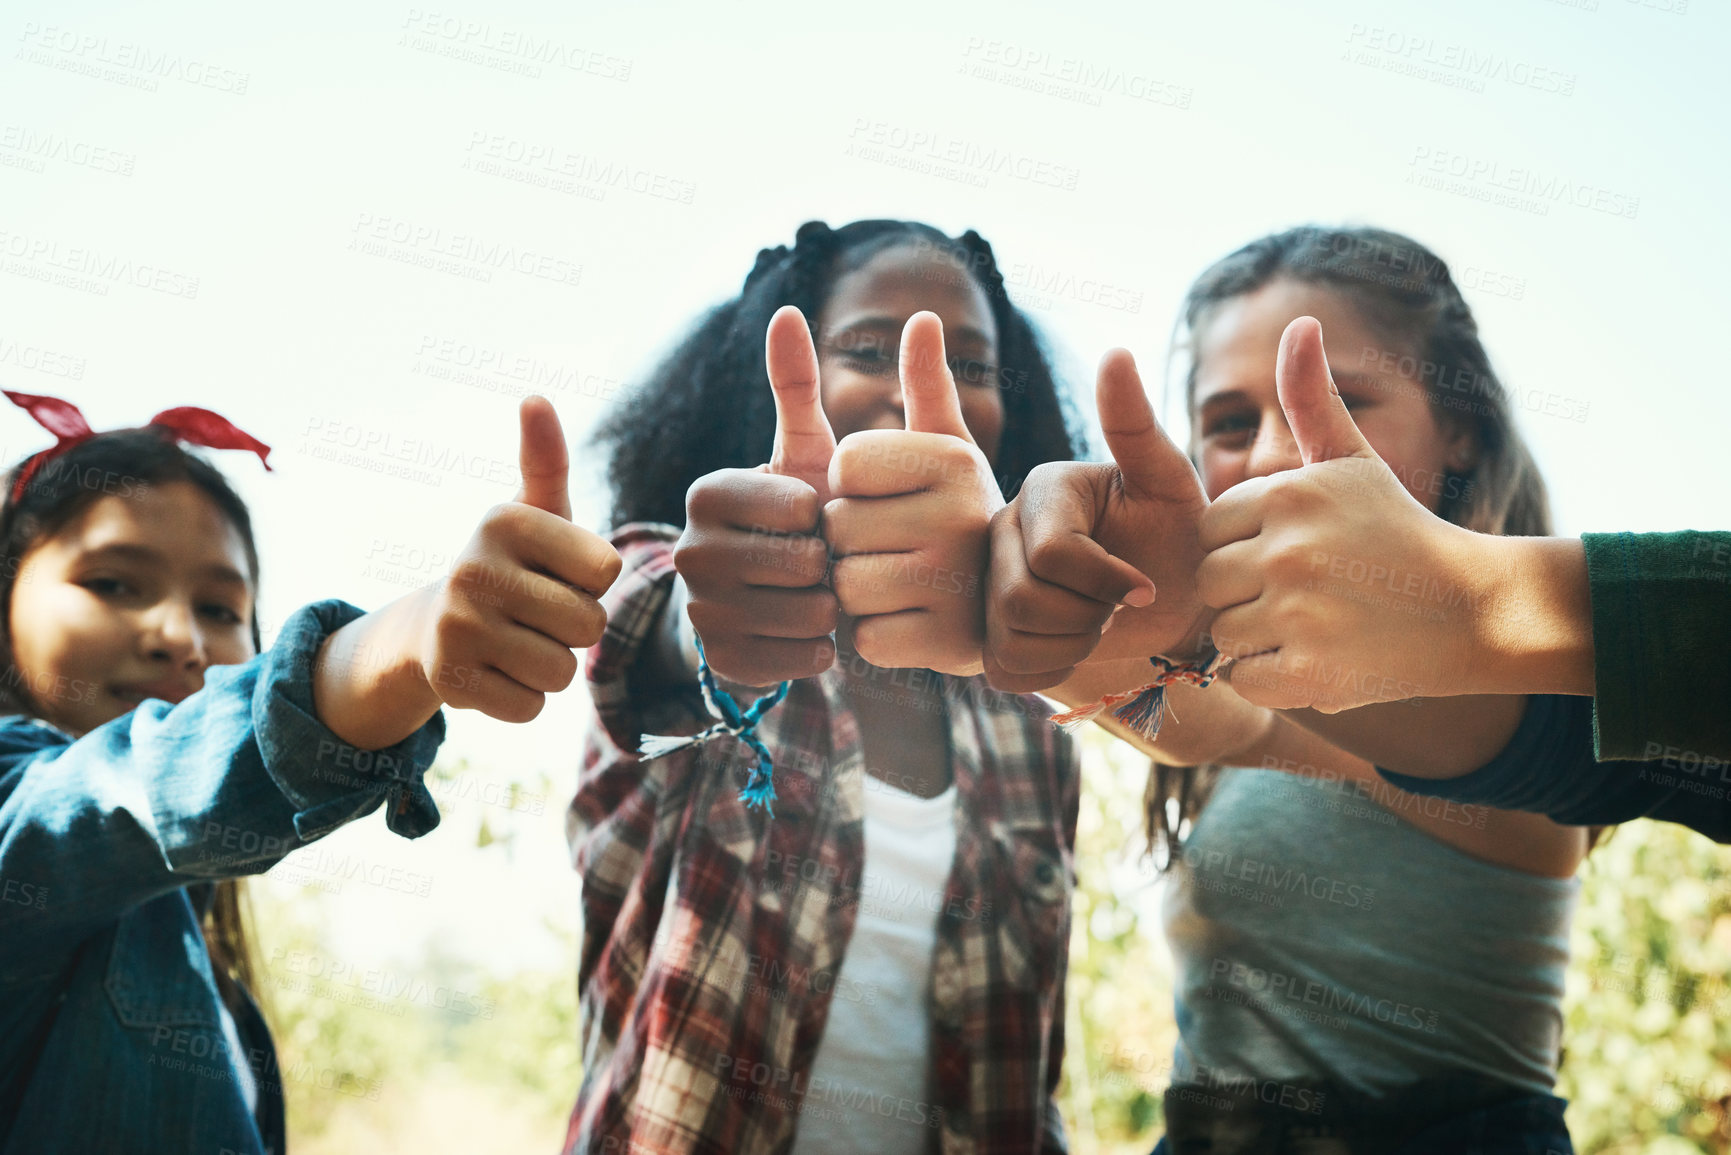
869,643
608,567
509,518
1043,476
821,617
708,617
526,708
590,624
1020,603
565,667
1046,556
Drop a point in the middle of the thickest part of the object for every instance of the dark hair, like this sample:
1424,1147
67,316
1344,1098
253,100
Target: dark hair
119,463
1405,292
124,463
708,406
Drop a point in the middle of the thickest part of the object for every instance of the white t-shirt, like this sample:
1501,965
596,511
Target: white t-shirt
868,1090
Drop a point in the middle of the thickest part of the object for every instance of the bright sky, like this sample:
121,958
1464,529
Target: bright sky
295,216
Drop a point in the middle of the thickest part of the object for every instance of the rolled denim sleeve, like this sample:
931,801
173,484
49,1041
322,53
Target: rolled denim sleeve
223,784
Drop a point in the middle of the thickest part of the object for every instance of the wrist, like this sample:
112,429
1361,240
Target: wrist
371,685
1532,619
1198,637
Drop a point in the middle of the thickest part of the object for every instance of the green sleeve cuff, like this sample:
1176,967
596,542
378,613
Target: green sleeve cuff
1661,643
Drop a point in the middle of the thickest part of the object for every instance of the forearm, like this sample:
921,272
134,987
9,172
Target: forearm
1423,737
370,687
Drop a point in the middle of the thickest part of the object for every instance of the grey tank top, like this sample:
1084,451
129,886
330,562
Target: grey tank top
1318,936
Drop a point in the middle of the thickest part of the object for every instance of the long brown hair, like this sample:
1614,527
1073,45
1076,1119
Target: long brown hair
1406,293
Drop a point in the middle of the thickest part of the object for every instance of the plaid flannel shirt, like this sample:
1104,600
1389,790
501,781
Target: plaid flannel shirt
713,935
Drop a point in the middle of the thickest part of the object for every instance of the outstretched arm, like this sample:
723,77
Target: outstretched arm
495,635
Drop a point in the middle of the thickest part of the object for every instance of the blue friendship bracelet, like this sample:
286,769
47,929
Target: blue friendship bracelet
730,721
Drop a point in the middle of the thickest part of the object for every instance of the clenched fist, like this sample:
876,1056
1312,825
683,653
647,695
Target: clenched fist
1088,543
909,521
752,557
500,628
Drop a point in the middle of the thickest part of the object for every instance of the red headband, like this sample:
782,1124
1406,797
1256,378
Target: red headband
184,423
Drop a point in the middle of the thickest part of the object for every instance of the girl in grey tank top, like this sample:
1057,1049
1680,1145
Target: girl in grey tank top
1348,980
1319,937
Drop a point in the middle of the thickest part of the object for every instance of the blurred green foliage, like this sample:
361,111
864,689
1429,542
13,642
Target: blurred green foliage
1647,1039
1648,1012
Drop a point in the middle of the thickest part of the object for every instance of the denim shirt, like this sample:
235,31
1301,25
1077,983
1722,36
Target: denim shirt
111,1032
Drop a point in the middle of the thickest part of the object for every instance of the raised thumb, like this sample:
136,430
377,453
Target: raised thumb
542,458
1150,463
1320,423
929,397
804,442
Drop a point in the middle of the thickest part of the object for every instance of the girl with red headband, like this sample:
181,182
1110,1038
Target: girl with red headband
150,754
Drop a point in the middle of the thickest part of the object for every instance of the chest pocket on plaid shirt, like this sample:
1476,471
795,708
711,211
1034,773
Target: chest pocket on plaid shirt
1031,933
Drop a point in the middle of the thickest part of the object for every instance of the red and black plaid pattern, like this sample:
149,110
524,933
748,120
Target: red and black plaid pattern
713,935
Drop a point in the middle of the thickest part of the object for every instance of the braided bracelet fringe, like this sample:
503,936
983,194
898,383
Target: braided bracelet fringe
1144,709
730,721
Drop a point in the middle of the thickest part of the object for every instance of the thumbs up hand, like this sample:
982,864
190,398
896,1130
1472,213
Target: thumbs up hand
751,555
1335,587
1088,543
909,519
522,594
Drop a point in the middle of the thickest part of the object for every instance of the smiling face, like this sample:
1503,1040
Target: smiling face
134,598
1240,431
859,336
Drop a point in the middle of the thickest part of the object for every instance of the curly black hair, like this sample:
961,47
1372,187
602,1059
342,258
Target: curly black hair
708,405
